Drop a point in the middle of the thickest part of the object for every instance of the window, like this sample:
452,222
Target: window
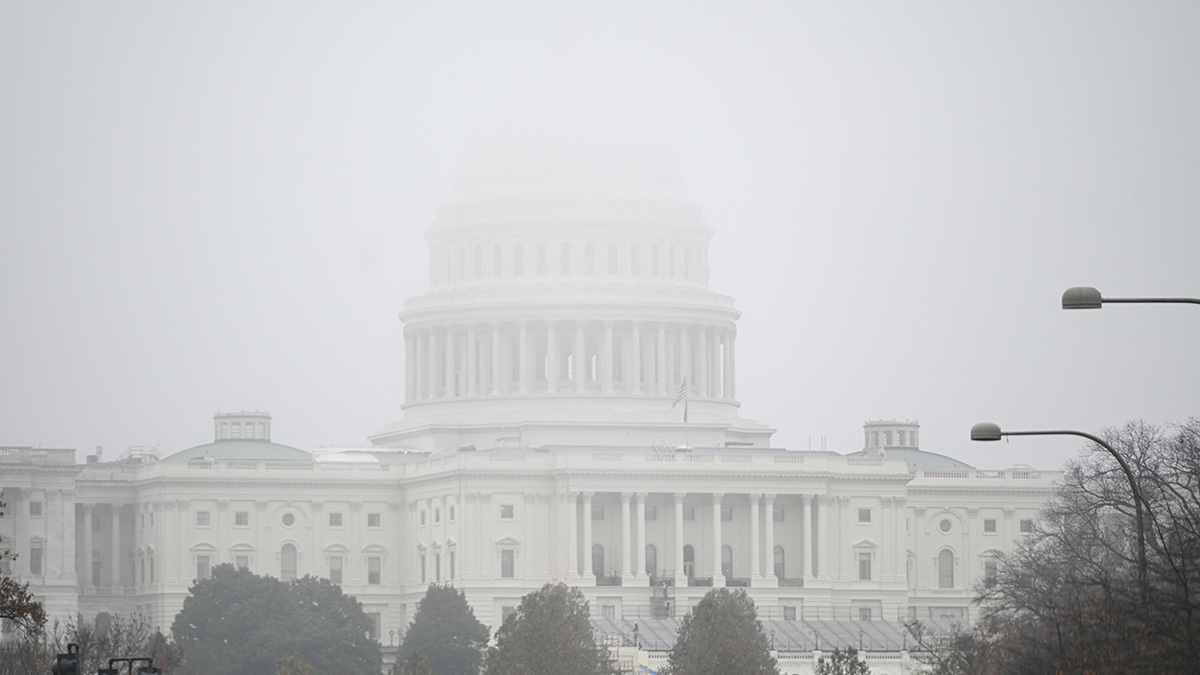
152,567
35,561
507,559
452,513
143,521
422,568
203,567
946,569
864,515
437,567
864,566
778,514
151,519
374,565
989,572
635,260
727,514
651,560
609,611
589,258
864,613
518,260
653,260
1026,525
541,258
989,526
287,563
203,519
335,520
35,509
289,520
374,520
451,564
598,560
507,511
597,512
727,561
651,513
437,516
689,513
779,560
422,517
242,562
241,519
376,620
945,525
689,561
335,569
789,612
505,612
612,257
565,258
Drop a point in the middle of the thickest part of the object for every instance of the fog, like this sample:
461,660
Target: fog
221,206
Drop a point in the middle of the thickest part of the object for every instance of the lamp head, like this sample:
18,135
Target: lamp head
985,431
1081,297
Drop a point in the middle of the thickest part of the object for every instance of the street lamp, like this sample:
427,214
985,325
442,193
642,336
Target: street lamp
1086,297
987,431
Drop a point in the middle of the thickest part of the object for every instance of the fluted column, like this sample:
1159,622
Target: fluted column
717,577
660,359
822,537
472,361
572,499
448,361
88,514
580,357
115,557
702,362
623,550
410,366
524,365
433,362
731,383
769,536
680,577
497,361
806,536
755,561
606,365
551,359
639,569
588,572
636,356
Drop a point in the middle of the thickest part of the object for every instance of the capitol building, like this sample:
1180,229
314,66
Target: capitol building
571,414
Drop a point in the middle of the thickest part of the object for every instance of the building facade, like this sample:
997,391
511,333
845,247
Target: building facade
570,414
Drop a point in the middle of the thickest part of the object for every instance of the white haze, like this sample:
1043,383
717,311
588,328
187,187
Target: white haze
219,206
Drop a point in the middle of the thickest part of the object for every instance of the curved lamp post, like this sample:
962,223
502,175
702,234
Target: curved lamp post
1086,297
987,431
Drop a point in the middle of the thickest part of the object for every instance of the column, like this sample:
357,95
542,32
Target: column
702,362
572,502
680,577
625,538
755,568
115,557
919,548
588,572
714,365
88,514
970,551
606,364
410,371
417,365
451,374
717,577
684,354
731,383
496,360
639,557
552,359
580,372
524,367
660,360
822,538
52,559
636,357
769,510
472,361
806,537
68,529
432,363
901,550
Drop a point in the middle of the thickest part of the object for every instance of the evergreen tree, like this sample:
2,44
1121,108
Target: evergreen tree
445,632
722,635
548,634
418,665
842,662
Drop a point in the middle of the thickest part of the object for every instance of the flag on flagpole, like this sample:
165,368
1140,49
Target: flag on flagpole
682,396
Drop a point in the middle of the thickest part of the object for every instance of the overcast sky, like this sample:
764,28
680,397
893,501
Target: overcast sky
221,206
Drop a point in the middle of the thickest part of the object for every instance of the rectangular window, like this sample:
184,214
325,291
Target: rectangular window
507,511
778,514
1026,525
241,519
151,569
452,514
789,612
203,519
864,566
335,569
143,521
151,519
335,520
506,612
376,623
437,516
597,512
374,520
422,568
242,562
727,514
989,572
451,564
609,611
35,560
864,515
651,513
374,565
689,512
35,509
864,613
989,525
203,566
437,567
422,517
507,557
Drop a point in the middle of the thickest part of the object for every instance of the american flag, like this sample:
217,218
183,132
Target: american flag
682,397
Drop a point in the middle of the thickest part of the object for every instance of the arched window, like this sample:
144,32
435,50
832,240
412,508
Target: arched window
946,569
478,261
287,563
727,561
462,263
612,257
541,258
565,258
654,260
518,260
671,261
598,560
589,258
651,560
497,260
689,561
779,567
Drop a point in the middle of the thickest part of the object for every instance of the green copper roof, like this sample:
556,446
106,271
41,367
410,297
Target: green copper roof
246,448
